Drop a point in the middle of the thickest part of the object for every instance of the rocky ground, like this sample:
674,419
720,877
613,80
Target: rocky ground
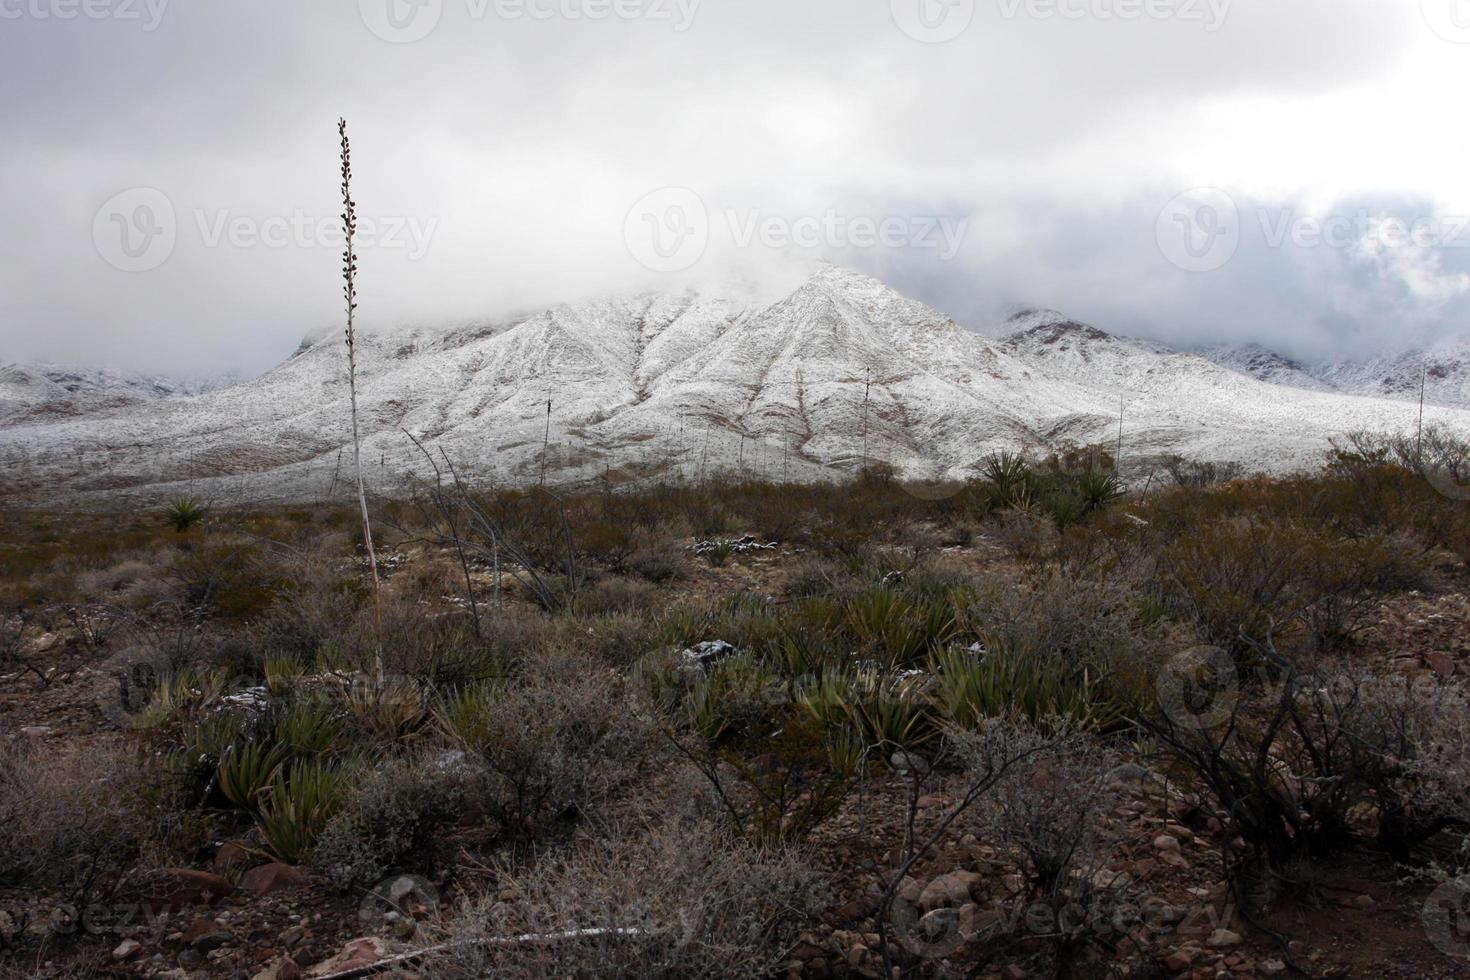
234,914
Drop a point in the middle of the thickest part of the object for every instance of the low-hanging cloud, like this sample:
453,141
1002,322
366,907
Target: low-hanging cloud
169,185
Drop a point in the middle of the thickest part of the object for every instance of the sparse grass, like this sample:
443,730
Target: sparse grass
526,736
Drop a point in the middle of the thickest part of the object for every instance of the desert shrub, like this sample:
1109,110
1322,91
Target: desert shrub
1072,623
814,577
615,595
1184,472
1413,740
69,820
610,541
1024,534
389,821
230,574
677,902
298,805
776,767
311,616
1290,754
558,739
655,565
1251,578
617,640
1047,816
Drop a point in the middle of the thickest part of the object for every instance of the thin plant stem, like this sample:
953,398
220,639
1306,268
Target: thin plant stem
349,292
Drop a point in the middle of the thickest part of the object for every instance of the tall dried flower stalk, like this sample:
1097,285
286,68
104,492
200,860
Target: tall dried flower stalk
349,292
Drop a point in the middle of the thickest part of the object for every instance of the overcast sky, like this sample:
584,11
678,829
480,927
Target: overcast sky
1287,171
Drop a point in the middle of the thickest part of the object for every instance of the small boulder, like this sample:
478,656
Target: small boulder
126,950
271,878
1223,939
950,889
229,856
283,968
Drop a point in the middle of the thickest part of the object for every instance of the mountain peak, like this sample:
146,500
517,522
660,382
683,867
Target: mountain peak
1050,328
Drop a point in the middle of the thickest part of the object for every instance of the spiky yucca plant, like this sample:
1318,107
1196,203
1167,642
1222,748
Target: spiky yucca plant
183,513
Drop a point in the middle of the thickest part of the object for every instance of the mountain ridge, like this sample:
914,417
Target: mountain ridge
840,370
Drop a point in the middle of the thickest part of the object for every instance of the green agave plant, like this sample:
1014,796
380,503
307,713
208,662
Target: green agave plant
247,767
873,709
311,726
969,690
300,802
463,716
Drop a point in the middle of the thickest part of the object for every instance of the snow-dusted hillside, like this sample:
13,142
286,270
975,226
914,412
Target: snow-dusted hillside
1444,370
698,382
45,391
1264,364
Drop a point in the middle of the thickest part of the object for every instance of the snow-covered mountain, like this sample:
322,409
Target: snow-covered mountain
1443,369
1264,364
42,391
841,368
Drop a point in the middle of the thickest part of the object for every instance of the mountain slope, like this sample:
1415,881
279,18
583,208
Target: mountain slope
841,368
